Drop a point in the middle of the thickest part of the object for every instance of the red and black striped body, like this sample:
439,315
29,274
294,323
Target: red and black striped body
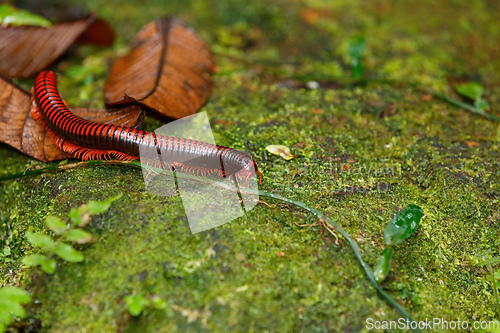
89,140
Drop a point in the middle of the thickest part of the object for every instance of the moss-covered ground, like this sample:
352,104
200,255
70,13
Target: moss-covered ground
363,152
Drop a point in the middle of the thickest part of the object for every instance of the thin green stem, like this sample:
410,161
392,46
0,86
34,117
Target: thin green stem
495,289
464,105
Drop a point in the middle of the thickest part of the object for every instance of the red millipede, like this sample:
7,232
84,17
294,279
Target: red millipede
88,140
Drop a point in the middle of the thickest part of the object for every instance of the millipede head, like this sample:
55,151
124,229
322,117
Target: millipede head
250,170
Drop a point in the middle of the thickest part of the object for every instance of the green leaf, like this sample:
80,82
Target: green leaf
75,216
489,277
68,253
79,236
34,259
97,207
43,241
489,261
481,104
136,304
11,308
11,300
5,316
6,251
10,15
383,265
14,294
403,225
415,299
47,265
55,224
356,51
472,90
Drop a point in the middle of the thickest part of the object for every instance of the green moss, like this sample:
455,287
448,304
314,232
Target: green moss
362,153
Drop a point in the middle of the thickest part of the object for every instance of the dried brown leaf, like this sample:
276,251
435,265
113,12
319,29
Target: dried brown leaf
168,70
27,50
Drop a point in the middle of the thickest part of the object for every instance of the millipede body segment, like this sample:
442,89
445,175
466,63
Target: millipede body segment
88,140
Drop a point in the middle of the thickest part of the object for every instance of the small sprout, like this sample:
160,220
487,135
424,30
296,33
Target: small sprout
81,216
481,104
485,259
494,277
397,230
470,90
356,51
6,254
279,150
474,91
403,225
6,251
136,304
98,207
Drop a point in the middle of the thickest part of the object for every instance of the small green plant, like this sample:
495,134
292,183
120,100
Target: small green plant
5,254
11,305
407,292
401,226
356,51
65,232
474,91
486,259
136,303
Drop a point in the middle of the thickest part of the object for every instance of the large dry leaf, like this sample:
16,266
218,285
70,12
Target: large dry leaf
168,70
21,131
27,50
